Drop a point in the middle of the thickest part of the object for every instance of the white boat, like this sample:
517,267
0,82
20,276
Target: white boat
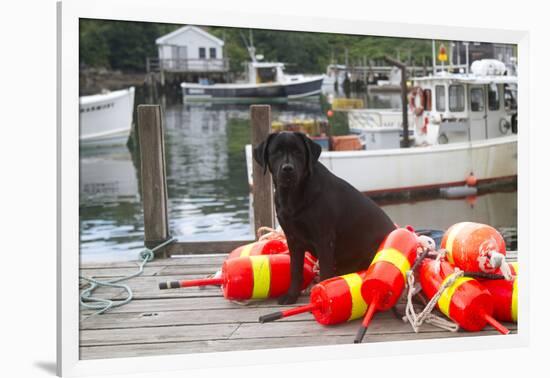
106,118
469,129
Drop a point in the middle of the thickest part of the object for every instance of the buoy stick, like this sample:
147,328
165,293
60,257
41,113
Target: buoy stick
366,320
290,312
495,323
190,283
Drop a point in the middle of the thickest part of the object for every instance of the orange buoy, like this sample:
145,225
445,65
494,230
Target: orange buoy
386,276
471,180
505,298
466,301
264,247
252,277
474,247
332,301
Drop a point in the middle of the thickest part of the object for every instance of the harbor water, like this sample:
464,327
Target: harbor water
208,188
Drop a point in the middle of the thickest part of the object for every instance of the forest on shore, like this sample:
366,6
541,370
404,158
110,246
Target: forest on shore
124,46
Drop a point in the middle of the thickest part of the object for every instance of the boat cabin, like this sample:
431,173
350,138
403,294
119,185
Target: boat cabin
265,72
452,108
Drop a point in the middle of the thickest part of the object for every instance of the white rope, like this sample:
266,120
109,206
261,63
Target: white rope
427,245
268,233
416,320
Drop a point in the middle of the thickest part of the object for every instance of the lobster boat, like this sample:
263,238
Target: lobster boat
463,127
267,82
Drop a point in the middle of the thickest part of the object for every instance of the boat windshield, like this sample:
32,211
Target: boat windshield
266,75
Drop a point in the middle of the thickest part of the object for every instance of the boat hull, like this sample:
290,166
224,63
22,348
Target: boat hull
420,168
106,119
251,93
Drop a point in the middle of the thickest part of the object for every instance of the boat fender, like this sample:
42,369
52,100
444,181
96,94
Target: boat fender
464,300
505,298
475,247
262,247
332,301
252,277
386,276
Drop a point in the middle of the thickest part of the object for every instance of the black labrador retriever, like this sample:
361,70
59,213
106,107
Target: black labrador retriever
318,211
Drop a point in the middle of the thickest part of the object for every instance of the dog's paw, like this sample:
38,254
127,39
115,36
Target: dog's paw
288,299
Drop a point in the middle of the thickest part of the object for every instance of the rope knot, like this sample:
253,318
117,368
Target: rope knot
147,254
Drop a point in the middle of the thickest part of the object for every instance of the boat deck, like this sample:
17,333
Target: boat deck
193,320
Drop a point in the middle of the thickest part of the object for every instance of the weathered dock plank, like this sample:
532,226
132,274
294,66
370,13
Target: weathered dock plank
196,320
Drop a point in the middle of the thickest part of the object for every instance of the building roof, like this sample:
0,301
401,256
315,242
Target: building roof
165,38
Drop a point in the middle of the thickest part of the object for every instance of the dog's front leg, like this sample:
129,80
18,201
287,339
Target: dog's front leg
327,264
297,253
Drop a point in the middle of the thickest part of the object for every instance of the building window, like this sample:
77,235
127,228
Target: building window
212,53
493,97
477,103
440,98
456,98
427,99
202,53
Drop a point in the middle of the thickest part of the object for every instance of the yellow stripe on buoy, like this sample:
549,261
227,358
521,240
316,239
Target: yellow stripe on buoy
444,302
515,301
358,305
451,239
515,265
246,250
394,257
261,271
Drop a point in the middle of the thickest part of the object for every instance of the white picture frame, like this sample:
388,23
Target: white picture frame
176,12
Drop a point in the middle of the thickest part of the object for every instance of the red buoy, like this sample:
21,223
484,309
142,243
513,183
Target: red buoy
474,247
264,247
387,274
466,301
505,298
252,277
332,301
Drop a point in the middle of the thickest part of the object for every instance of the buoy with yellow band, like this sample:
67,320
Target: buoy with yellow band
252,277
505,296
332,301
474,247
386,276
466,301
264,247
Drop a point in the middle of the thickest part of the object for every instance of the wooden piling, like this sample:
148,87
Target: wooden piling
153,174
404,102
260,119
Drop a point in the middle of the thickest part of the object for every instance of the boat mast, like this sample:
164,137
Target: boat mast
433,56
249,46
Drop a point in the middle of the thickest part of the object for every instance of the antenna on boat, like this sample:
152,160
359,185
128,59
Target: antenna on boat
249,47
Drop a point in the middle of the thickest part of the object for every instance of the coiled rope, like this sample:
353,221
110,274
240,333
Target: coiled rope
416,320
103,304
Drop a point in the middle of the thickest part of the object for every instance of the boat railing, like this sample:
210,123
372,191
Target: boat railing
154,64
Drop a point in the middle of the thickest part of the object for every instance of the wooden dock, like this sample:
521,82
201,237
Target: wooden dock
193,320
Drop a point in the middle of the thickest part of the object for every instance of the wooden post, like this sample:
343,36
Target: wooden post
404,102
262,191
153,174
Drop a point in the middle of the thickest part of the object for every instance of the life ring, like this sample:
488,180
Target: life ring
416,100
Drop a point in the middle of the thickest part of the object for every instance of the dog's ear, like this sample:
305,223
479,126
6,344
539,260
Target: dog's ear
261,154
313,151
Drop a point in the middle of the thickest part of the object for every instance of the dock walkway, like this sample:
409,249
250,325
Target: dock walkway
193,320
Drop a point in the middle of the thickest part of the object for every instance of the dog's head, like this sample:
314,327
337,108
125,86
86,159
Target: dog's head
289,156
